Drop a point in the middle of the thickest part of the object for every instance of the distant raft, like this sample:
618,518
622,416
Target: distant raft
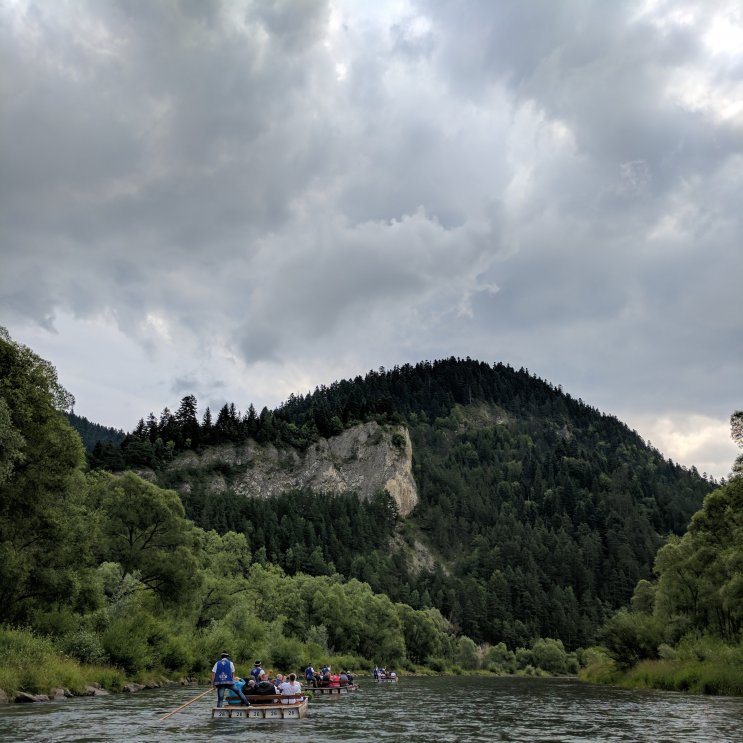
334,691
388,678
275,709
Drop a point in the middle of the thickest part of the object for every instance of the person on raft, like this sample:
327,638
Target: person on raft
223,678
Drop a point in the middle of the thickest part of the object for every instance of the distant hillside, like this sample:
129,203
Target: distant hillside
93,433
536,513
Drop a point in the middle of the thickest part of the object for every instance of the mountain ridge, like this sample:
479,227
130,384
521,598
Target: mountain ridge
545,511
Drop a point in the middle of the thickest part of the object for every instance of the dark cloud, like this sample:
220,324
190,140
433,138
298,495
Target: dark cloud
279,194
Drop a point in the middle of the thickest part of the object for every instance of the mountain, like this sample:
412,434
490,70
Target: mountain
93,433
535,514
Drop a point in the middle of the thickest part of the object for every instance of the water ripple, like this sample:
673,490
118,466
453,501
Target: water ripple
444,710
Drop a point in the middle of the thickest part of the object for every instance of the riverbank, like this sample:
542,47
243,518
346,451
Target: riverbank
708,677
33,670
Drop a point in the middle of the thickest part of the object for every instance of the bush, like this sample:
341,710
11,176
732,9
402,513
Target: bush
32,664
630,637
437,664
550,656
466,653
286,654
126,643
176,654
83,645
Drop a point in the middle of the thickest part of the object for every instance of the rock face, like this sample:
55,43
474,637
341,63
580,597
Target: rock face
363,459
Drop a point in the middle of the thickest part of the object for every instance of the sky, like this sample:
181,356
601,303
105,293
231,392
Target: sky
246,199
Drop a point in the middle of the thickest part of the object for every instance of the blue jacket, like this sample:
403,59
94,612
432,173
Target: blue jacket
223,674
232,696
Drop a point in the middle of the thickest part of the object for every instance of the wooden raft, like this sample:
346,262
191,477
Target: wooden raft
272,710
329,691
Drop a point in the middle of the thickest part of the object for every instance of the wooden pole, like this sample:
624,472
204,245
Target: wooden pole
186,704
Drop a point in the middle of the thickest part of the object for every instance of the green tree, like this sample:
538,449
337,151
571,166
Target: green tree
187,424
630,637
550,656
44,546
736,433
145,531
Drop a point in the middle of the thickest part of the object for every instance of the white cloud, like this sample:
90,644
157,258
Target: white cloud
255,198
699,439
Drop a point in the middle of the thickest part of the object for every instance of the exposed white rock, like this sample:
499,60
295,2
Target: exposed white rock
363,459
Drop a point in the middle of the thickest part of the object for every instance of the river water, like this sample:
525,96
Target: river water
434,710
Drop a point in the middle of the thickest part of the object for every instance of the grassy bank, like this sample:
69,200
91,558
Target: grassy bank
33,665
711,675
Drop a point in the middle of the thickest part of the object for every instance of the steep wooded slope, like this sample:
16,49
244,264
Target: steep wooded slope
538,512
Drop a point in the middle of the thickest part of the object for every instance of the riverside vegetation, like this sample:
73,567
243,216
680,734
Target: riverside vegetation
105,576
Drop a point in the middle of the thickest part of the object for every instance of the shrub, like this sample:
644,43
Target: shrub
437,664
176,654
550,656
286,654
126,643
83,645
466,653
630,638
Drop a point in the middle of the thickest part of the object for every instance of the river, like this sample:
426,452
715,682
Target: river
434,710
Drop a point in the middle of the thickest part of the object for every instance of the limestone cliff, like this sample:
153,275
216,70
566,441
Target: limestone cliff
363,459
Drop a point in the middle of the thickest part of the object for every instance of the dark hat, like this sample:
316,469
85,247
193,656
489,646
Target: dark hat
257,662
225,654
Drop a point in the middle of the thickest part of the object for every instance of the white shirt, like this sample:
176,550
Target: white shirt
290,688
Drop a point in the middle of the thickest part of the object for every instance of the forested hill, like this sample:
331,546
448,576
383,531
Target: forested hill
94,433
537,514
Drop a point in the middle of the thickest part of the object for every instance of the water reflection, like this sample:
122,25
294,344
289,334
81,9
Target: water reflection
440,710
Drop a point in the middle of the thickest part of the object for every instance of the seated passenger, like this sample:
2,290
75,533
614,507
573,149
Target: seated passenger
291,686
264,688
343,678
233,694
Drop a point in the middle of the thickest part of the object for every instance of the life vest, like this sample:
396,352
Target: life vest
256,673
223,674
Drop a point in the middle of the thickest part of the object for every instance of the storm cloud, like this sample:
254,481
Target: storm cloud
248,199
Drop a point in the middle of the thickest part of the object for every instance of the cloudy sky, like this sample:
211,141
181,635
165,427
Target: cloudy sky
245,199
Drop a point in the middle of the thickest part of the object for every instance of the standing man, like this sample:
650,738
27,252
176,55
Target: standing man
223,678
256,671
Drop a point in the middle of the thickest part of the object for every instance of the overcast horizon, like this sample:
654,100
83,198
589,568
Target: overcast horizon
244,200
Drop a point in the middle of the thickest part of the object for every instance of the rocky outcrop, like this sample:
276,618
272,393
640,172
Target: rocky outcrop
363,459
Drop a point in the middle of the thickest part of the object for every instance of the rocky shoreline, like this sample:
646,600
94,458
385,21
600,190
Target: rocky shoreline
92,690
